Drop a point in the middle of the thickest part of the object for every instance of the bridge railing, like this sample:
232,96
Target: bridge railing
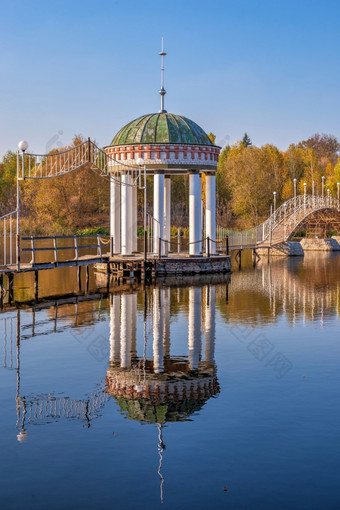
45,166
8,233
281,223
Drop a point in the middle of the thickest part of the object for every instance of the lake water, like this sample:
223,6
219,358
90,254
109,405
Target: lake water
213,393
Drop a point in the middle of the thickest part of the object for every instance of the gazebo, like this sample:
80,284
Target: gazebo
164,144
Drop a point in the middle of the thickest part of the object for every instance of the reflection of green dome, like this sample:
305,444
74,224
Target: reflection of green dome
154,412
161,128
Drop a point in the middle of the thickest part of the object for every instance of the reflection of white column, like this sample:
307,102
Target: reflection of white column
114,327
133,320
125,332
210,209
209,333
195,219
126,215
166,322
158,209
115,214
167,212
195,313
158,354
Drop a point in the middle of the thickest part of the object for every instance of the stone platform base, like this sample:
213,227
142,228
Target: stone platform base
165,267
173,265
288,249
320,244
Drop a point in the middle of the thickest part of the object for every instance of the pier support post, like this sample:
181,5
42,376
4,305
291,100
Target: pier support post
36,285
10,288
79,278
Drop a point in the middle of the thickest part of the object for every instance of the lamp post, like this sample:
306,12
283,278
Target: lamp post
274,194
338,187
294,181
23,146
328,197
313,188
140,163
304,194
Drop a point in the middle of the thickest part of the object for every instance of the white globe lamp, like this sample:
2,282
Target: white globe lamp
23,145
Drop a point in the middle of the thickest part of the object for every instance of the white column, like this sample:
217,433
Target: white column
210,209
167,212
114,327
134,218
126,215
209,333
115,214
195,313
158,352
195,222
158,209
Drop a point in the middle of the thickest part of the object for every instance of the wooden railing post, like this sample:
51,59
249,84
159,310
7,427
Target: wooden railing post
99,246
159,247
33,251
76,248
208,246
55,251
227,245
178,240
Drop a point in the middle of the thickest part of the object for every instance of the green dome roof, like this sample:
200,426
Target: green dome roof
161,128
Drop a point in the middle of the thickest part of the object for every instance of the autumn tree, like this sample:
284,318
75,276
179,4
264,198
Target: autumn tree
246,140
326,147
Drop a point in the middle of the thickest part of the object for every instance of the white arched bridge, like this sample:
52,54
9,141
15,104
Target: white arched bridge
312,212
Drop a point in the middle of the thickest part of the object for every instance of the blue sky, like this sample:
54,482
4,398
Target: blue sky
270,68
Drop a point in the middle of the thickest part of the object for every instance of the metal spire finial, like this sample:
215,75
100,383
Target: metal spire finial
162,91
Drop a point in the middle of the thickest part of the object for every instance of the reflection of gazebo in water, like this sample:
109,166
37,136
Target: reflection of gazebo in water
166,387
162,388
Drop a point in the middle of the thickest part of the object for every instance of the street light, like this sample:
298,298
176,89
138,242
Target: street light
22,146
274,193
294,181
328,196
140,162
338,186
313,188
